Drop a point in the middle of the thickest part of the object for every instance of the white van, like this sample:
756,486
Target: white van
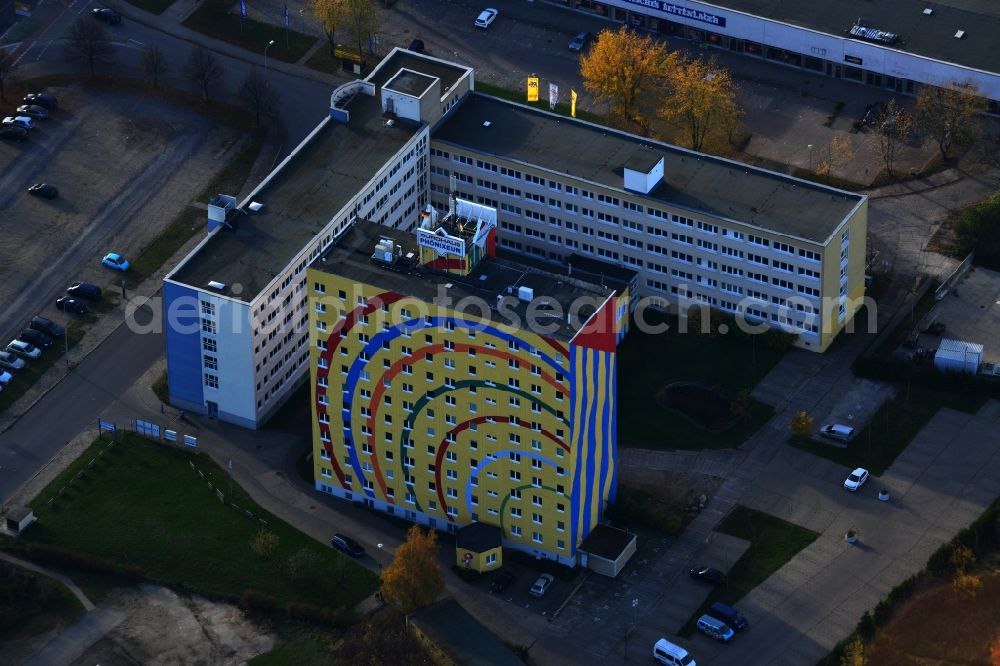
667,653
836,431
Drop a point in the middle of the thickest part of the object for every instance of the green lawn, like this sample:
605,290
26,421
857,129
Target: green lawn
193,220
892,428
142,504
646,363
772,543
25,378
151,6
214,19
300,647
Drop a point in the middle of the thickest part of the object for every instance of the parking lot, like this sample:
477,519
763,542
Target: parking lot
517,593
125,166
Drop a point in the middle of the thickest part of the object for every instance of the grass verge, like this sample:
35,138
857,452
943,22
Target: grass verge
299,646
142,504
152,6
26,377
773,542
651,361
213,18
193,220
520,97
31,604
892,428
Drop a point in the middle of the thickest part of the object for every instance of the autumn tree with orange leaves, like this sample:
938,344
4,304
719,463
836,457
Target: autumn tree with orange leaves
413,579
626,70
700,99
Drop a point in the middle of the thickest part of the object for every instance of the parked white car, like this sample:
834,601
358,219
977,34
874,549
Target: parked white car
856,479
25,349
542,585
486,18
19,121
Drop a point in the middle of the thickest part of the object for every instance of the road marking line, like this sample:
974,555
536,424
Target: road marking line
44,49
136,41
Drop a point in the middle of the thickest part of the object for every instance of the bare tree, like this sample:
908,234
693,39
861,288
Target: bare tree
8,72
155,64
257,96
950,116
89,41
204,70
894,126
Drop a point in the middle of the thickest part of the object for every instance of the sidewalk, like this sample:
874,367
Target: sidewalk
87,604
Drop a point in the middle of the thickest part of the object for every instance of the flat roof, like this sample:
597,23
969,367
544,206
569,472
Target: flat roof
695,181
606,541
478,537
410,82
931,36
399,59
301,198
351,257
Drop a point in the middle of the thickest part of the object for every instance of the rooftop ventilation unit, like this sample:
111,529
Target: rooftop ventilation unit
526,294
487,123
384,250
218,286
928,11
862,31
960,34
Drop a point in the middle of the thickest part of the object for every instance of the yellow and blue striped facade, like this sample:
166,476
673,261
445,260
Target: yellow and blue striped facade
445,419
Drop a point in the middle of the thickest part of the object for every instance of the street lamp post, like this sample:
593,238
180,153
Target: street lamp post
380,546
265,53
810,147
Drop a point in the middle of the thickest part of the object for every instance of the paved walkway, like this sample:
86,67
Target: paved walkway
72,642
65,580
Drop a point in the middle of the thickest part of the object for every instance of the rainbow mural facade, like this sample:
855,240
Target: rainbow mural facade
445,419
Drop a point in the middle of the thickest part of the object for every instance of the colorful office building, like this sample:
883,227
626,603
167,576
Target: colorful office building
453,384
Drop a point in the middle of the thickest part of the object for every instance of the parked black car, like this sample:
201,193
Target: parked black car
42,99
85,290
109,16
70,304
708,574
347,545
14,134
502,581
47,326
44,190
36,338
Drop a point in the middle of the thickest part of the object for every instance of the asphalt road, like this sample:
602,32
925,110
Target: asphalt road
76,403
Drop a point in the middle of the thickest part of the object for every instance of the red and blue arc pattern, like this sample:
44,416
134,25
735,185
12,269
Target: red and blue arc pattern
585,372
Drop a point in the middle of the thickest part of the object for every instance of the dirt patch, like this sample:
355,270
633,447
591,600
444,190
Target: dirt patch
706,407
915,636
164,628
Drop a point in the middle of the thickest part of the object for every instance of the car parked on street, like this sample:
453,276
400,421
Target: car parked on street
18,121
42,99
23,349
44,190
346,544
856,479
115,261
36,338
11,361
70,304
47,326
671,654
11,133
85,290
708,574
109,16
542,585
486,18
33,110
841,433
5,377
581,41
502,581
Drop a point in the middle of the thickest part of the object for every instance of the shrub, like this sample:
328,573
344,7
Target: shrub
264,544
334,617
59,557
255,600
866,626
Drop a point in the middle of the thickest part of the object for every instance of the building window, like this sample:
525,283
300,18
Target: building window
207,325
491,559
536,537
211,381
210,345
211,362
208,308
